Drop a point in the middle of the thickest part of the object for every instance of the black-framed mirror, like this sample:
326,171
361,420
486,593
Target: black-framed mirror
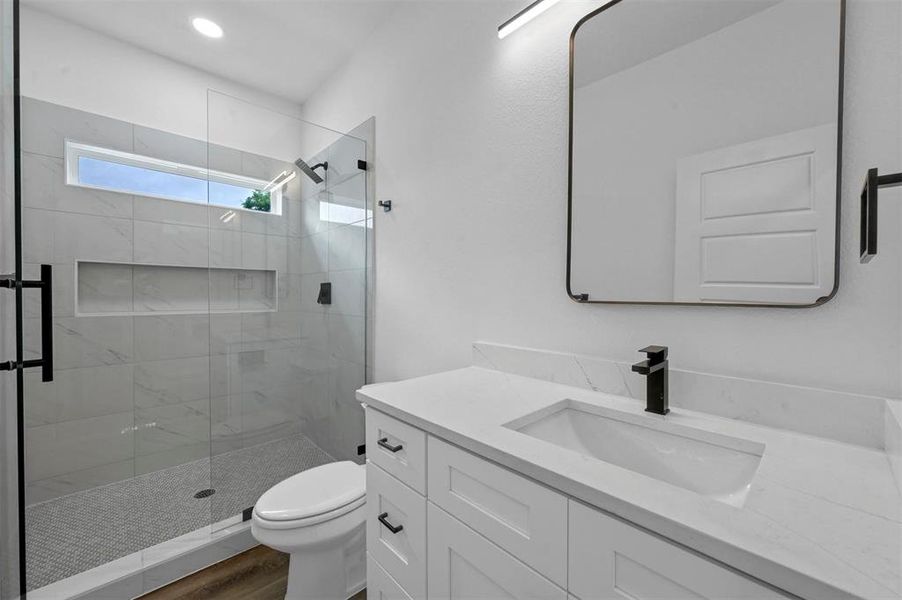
705,144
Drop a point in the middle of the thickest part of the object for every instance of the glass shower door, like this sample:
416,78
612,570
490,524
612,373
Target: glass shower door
289,303
118,445
9,486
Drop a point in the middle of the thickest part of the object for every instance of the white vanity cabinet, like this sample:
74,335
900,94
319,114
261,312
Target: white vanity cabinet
464,564
396,529
380,585
398,448
526,519
445,523
612,560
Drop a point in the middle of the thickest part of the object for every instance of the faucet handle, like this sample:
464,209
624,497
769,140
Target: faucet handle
655,354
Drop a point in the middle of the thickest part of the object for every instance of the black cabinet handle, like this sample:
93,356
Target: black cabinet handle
383,518
384,443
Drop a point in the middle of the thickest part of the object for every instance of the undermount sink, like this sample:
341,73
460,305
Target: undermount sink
711,464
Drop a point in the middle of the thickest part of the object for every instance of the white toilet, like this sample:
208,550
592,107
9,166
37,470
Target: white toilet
317,517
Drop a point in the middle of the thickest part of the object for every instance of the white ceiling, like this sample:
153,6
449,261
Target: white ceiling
284,47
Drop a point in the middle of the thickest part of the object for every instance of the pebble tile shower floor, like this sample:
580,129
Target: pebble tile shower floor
84,530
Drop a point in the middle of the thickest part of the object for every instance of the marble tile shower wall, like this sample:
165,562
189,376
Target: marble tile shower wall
139,393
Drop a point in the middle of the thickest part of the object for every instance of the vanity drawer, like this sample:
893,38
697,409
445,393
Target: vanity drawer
380,585
402,451
464,564
402,553
610,560
526,519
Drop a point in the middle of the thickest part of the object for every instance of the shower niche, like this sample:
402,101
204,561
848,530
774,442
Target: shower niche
104,288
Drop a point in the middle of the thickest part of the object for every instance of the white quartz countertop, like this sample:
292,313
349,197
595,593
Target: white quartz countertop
822,518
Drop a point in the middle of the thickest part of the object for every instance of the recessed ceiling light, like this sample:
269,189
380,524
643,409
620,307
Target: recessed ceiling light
207,27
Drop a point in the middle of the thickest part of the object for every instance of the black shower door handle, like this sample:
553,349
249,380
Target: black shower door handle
45,283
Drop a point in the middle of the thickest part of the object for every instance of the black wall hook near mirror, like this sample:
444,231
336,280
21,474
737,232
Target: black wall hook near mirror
872,184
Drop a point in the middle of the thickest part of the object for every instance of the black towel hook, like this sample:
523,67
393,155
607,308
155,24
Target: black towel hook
872,183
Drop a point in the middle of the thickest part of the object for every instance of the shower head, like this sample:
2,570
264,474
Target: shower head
311,171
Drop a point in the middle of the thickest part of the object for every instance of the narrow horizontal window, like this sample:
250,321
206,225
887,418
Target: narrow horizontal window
113,170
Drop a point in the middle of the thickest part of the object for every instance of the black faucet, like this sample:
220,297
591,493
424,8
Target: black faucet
655,370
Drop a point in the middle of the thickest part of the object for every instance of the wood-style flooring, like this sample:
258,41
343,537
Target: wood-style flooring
257,574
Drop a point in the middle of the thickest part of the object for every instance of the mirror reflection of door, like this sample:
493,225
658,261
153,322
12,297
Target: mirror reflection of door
755,222
704,162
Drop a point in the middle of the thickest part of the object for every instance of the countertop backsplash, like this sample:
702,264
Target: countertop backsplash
818,412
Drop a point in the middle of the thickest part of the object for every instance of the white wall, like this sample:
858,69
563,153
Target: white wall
472,138
69,65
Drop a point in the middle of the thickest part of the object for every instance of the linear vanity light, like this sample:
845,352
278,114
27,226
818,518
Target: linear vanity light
524,16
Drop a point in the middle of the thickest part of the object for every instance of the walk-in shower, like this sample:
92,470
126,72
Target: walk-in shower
193,366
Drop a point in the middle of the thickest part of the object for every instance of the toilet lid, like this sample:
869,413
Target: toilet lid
313,492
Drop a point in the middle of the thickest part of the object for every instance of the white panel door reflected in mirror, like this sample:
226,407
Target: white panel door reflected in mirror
704,152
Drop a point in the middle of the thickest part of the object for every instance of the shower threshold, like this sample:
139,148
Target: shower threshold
163,530
143,571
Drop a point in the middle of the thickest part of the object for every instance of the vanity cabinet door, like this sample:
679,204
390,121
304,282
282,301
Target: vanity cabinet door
396,529
380,585
610,560
397,447
526,519
464,565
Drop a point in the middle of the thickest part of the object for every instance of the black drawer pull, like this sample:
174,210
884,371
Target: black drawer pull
383,518
384,443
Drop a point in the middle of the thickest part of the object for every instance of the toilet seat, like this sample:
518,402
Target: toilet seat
313,496
309,521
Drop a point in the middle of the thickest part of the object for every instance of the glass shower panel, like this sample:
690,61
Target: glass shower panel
86,434
9,488
288,278
118,445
